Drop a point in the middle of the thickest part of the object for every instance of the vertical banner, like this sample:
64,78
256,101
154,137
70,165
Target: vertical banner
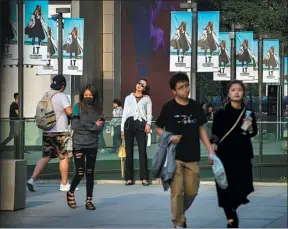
10,55
224,58
180,41
254,74
271,73
51,66
73,35
286,68
244,56
36,32
208,32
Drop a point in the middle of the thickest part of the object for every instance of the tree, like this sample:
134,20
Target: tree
259,16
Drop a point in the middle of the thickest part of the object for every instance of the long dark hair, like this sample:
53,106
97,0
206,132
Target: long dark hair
230,84
97,103
146,91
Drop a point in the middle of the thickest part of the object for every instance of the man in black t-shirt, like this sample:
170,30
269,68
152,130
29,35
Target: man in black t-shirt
184,118
13,114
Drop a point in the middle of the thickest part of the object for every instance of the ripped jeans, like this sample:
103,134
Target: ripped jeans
84,168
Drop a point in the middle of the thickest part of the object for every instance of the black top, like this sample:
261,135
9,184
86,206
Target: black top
184,120
12,113
235,146
235,152
85,129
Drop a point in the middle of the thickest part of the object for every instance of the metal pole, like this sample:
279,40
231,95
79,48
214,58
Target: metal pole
60,44
233,53
282,68
260,80
19,138
194,50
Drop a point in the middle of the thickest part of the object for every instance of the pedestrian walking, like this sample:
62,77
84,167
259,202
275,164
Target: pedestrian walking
54,138
87,124
232,130
185,119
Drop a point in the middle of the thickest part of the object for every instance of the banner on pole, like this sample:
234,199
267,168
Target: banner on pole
244,56
51,66
286,66
10,55
224,64
254,74
36,32
73,37
271,66
208,33
180,41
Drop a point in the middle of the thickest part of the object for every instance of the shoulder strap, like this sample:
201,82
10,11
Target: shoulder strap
54,93
232,128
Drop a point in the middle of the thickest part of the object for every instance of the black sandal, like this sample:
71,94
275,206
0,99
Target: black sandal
129,183
71,199
89,205
145,183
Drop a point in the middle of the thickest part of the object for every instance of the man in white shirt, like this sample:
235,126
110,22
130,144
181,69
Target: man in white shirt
53,140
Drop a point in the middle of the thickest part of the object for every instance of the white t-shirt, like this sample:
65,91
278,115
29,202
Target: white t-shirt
60,102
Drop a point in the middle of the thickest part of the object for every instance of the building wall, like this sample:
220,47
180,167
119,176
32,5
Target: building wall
108,56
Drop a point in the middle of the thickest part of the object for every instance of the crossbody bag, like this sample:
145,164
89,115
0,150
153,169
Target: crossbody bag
233,127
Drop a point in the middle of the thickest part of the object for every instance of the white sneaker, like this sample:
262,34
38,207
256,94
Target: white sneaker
66,188
31,185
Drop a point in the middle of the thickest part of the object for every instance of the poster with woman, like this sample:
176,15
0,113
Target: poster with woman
36,32
244,56
254,74
180,41
73,37
51,66
208,41
271,64
10,55
224,64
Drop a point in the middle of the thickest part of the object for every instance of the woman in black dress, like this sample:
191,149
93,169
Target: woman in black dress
234,148
36,27
73,45
243,54
208,40
52,44
224,54
270,59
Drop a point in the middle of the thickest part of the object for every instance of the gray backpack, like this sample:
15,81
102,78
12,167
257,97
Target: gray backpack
45,116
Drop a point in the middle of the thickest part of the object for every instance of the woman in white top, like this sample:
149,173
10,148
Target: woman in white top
116,123
136,123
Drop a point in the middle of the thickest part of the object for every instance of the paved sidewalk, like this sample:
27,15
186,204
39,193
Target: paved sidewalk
136,206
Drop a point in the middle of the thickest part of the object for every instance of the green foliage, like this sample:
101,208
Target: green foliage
260,16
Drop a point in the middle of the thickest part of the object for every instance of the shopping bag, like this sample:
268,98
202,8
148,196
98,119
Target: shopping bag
219,171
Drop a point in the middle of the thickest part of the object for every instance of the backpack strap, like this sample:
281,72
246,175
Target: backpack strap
52,94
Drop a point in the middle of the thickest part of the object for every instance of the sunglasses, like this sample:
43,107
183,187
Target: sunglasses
141,84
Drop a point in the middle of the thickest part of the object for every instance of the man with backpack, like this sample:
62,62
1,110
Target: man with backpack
52,117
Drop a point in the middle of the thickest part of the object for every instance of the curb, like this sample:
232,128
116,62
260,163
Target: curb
158,182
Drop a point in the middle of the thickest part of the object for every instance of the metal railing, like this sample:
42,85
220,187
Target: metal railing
272,159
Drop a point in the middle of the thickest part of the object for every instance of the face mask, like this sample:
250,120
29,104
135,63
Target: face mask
88,101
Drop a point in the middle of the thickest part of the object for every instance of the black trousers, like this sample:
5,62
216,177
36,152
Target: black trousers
10,137
84,168
135,129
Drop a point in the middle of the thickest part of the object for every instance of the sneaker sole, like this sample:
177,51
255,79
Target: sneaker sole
30,187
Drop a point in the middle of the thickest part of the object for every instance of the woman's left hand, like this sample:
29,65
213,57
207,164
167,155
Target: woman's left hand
147,129
249,123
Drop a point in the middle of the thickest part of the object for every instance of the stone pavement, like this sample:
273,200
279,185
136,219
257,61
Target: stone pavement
136,206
